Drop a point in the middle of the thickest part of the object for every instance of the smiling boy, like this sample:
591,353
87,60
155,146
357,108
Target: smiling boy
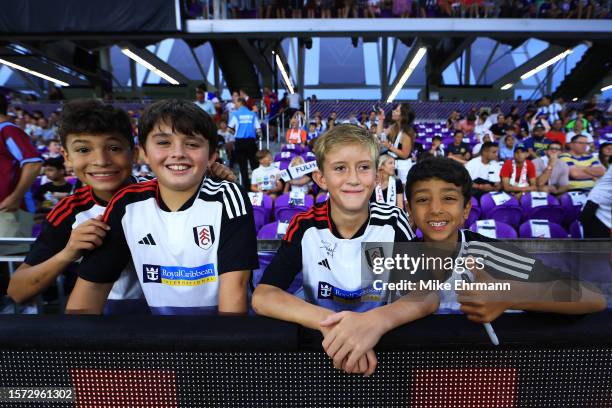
438,200
325,244
192,240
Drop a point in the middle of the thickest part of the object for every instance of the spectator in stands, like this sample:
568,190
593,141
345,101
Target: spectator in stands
301,184
577,117
280,7
585,168
224,133
399,138
468,124
458,150
44,131
54,149
295,102
499,128
507,145
453,121
596,216
372,120
248,101
486,138
518,176
549,109
552,174
373,9
246,128
313,133
605,153
437,148
482,125
402,8
578,129
346,158
556,133
537,144
20,163
203,102
295,135
484,170
389,188
266,177
334,117
49,194
514,113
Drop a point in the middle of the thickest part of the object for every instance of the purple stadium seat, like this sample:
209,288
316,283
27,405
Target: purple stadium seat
572,204
494,229
473,216
309,156
322,198
284,210
501,207
541,206
284,156
576,230
295,148
262,208
272,231
541,229
36,185
284,164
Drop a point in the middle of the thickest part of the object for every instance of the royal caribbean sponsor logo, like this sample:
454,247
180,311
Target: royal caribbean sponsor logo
179,275
329,291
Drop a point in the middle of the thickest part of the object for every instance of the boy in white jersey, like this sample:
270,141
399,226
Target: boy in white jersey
325,245
176,229
438,200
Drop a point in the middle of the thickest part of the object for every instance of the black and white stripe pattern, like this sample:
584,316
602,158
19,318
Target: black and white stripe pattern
502,260
385,212
233,201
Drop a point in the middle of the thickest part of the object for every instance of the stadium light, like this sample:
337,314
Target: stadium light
606,88
406,74
574,99
148,66
507,86
35,73
279,64
546,64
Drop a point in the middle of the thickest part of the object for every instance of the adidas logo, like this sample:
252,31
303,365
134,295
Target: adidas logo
148,240
324,263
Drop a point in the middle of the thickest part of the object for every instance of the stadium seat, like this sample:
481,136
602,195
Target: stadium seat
294,148
284,156
475,212
572,203
541,229
494,229
309,156
285,209
576,230
501,207
322,198
273,230
262,208
541,206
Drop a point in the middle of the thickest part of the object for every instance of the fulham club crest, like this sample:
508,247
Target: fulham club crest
204,236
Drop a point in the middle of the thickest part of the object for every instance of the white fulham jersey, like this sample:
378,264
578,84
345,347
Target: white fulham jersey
178,255
332,265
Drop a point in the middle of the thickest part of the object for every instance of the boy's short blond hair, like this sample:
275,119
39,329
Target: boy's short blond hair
343,135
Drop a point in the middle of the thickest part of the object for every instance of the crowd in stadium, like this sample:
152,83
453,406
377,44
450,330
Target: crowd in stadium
580,9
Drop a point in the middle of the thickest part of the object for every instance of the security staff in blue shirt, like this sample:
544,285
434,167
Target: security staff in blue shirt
246,128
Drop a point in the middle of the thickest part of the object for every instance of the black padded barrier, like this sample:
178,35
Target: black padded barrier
441,361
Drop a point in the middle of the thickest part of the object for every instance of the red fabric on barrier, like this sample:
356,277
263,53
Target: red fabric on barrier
109,388
464,387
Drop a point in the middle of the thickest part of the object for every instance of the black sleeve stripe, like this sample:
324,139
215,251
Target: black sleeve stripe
508,257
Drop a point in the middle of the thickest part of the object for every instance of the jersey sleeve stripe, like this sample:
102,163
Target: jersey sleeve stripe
137,188
58,220
316,213
238,193
63,204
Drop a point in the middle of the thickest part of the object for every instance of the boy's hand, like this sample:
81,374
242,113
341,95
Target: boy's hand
353,335
483,306
85,237
222,172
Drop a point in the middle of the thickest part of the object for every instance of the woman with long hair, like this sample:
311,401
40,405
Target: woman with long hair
388,188
399,138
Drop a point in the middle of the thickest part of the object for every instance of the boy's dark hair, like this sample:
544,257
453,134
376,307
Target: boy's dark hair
56,162
457,132
262,153
441,168
93,117
183,116
487,146
3,105
48,142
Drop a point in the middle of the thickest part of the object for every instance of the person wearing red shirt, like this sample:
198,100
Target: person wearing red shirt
295,135
20,163
519,175
556,133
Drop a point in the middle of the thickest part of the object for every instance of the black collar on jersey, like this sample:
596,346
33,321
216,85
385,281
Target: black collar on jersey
335,231
186,205
98,200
